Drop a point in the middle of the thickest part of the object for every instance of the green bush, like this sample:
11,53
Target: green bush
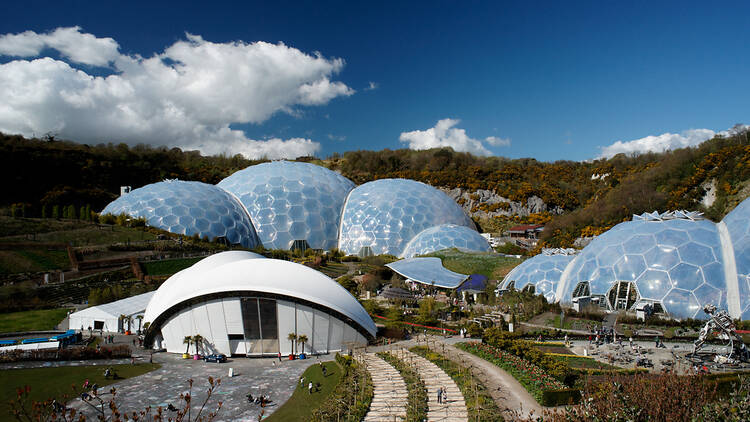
511,343
560,397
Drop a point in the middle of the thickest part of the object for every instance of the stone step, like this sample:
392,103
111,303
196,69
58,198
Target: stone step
389,391
435,378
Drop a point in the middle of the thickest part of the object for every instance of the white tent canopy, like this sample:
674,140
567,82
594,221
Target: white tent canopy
106,317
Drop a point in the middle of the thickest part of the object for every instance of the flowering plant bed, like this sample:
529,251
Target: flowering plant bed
532,377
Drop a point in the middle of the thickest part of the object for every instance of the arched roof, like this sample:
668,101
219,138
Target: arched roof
290,201
386,214
542,271
445,236
188,208
226,273
675,261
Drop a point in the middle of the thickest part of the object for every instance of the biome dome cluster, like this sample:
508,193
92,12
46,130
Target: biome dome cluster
285,204
677,262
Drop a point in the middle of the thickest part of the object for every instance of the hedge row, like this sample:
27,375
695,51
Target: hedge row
562,397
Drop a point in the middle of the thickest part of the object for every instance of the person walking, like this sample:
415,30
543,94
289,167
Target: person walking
445,396
440,395
279,354
310,387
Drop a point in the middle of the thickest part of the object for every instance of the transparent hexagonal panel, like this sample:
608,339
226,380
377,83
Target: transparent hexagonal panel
446,236
738,225
542,271
658,255
188,208
386,214
290,201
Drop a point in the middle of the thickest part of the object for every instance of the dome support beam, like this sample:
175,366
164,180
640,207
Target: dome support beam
730,270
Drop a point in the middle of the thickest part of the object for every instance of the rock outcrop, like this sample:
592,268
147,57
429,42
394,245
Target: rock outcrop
485,203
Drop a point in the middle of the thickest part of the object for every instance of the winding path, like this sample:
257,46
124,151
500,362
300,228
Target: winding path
507,392
389,395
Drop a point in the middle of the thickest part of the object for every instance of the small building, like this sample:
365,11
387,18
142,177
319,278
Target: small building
526,231
114,317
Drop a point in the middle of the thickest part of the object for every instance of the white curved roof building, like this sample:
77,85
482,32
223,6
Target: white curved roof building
244,304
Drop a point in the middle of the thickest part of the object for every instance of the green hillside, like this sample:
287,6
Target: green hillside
42,173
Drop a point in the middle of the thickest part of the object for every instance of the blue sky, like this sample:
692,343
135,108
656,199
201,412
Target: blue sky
558,80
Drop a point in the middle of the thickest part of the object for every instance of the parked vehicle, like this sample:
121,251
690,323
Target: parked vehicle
216,357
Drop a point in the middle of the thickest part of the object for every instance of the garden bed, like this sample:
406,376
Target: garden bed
479,403
535,379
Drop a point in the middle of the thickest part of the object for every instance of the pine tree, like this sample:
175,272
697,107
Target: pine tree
55,211
82,214
44,211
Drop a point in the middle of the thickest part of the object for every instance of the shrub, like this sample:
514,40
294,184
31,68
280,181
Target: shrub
560,397
525,350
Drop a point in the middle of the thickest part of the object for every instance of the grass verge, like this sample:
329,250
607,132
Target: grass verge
39,320
533,378
416,406
49,383
479,403
492,265
301,405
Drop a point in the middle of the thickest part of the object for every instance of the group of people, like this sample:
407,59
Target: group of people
442,395
602,336
261,400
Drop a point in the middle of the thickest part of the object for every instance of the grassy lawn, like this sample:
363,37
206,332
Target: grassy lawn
300,406
77,233
38,320
491,265
31,260
585,363
47,383
169,266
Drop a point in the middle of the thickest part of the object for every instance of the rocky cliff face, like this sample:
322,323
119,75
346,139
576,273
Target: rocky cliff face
486,204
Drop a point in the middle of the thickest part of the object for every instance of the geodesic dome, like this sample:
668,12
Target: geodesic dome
188,208
386,214
290,201
542,272
737,224
675,262
445,236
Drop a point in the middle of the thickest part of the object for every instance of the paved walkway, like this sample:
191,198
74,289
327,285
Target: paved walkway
390,395
163,386
454,410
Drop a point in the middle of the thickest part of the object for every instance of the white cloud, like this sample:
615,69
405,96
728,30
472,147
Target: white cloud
658,143
340,138
72,44
371,86
444,134
186,96
498,142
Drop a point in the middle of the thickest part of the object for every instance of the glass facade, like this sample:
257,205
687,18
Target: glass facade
386,214
188,208
260,323
443,237
676,262
290,201
738,225
542,272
